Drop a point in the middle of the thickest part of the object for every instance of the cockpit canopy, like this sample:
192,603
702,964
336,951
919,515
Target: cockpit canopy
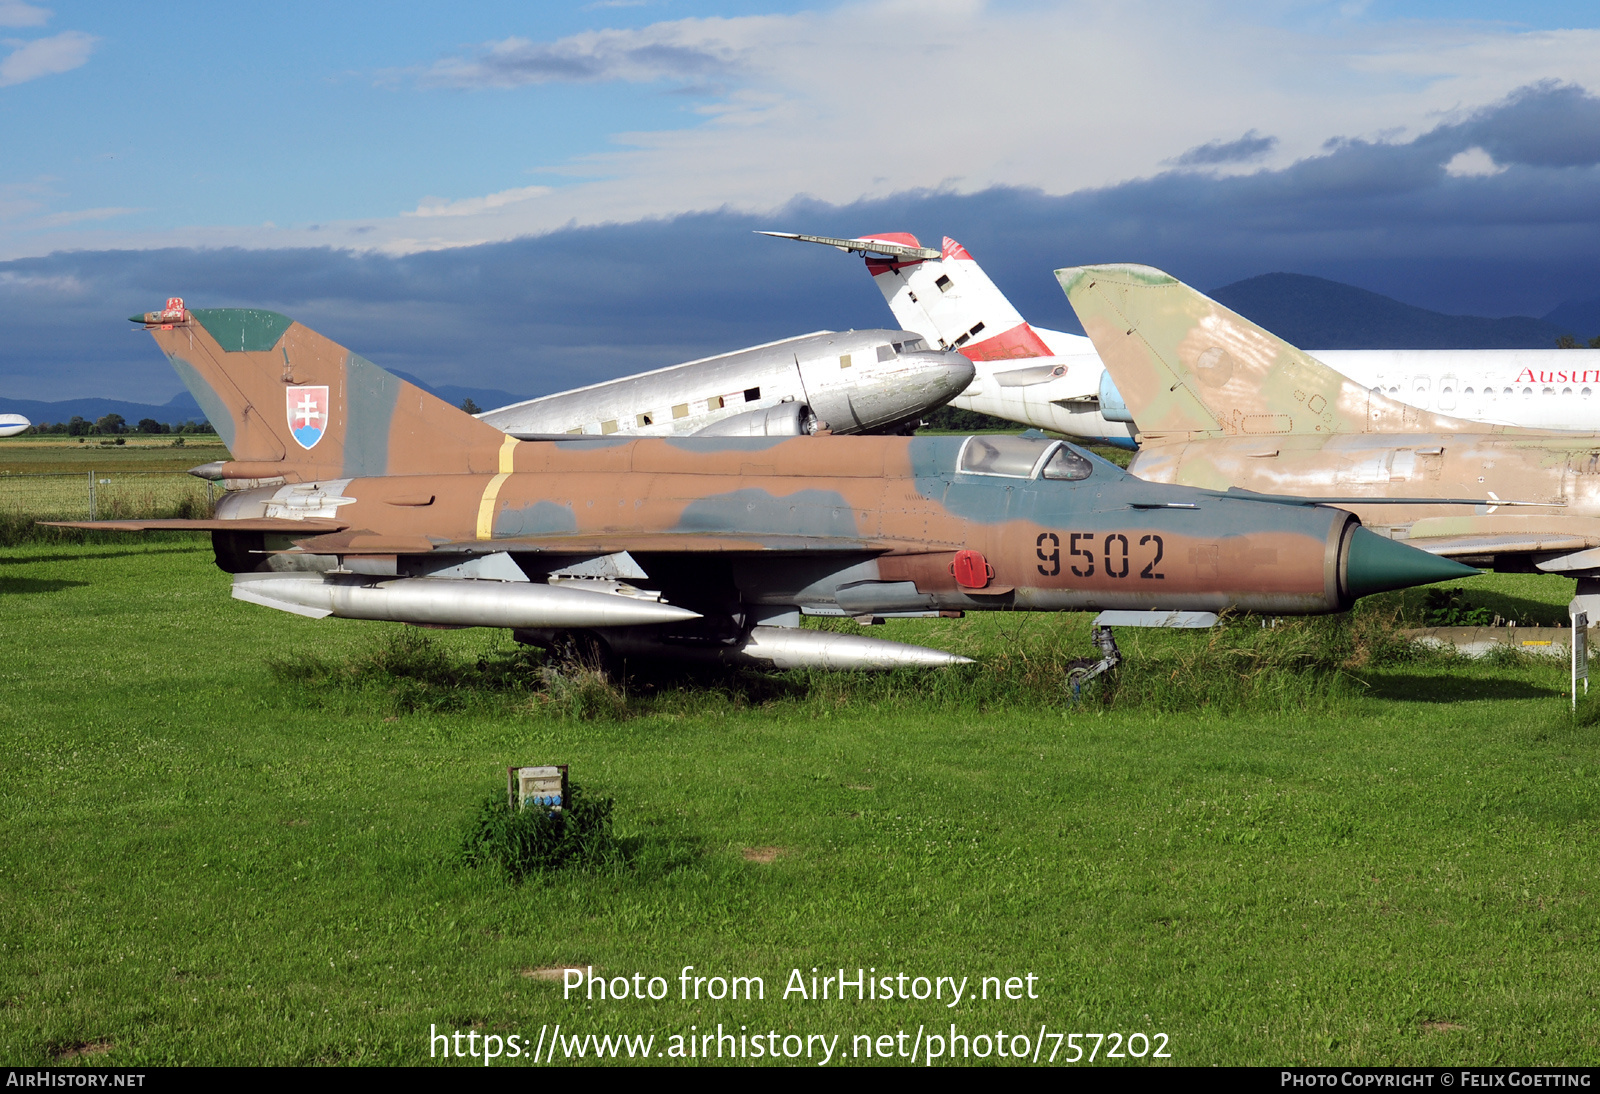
1022,458
895,349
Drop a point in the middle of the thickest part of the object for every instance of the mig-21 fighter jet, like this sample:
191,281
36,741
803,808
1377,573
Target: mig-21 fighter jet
355,494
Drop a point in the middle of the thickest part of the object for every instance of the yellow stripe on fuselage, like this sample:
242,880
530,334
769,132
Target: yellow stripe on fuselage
492,492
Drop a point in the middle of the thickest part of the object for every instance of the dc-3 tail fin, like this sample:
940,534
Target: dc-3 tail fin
287,401
1188,366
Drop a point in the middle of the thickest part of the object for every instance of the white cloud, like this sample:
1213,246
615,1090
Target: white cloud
21,199
55,284
14,13
24,207
1473,163
671,51
882,96
78,216
874,97
46,57
439,207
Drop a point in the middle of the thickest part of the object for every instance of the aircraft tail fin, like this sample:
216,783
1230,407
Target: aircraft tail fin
1186,365
951,301
942,295
287,401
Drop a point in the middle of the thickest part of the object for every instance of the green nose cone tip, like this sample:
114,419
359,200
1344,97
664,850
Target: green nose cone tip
1374,564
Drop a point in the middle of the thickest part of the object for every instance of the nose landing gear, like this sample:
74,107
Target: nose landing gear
1084,669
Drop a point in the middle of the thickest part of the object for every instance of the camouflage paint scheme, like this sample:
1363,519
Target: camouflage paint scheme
737,529
1221,403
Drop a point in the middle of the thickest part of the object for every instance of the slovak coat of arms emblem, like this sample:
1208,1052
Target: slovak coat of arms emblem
308,414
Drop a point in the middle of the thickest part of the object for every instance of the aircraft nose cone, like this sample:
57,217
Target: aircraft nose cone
951,371
1374,564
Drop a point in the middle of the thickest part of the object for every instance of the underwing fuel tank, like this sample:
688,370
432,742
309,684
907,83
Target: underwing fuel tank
451,603
792,648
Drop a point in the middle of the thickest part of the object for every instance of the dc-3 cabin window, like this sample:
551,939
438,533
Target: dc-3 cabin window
1022,458
752,394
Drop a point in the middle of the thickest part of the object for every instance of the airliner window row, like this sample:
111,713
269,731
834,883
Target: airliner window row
1488,391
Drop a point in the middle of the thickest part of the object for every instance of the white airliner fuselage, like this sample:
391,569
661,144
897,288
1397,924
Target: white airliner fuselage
1540,388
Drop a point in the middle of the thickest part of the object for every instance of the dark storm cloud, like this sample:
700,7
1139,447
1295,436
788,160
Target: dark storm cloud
528,316
547,313
1547,125
1248,147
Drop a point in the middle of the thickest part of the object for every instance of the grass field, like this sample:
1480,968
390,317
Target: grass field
34,454
52,477
231,836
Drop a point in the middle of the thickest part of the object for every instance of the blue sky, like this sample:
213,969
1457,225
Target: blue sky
1396,145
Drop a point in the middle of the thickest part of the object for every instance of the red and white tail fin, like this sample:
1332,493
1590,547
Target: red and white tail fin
951,301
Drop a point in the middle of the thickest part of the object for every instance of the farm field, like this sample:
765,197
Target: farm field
55,478
39,455
231,836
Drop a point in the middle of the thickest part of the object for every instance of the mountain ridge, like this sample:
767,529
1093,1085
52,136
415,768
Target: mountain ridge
1316,313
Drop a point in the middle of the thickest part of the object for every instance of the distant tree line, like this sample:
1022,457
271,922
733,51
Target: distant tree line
1567,341
966,421
113,425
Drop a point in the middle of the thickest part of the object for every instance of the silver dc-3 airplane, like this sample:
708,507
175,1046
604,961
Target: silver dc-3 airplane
860,381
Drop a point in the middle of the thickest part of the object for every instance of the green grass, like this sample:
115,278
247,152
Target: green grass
35,454
233,836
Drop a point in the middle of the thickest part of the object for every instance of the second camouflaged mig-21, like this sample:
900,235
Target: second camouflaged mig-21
353,493
1221,403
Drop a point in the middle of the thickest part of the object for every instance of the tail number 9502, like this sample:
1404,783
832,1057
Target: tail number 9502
1115,555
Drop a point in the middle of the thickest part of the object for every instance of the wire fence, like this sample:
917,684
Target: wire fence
107,495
